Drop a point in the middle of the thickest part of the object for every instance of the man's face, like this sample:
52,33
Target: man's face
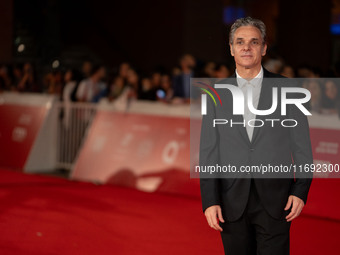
248,48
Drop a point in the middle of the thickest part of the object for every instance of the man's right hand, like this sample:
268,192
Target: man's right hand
214,215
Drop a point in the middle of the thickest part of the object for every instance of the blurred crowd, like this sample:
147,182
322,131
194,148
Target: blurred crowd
93,82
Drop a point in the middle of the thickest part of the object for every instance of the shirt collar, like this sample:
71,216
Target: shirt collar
256,81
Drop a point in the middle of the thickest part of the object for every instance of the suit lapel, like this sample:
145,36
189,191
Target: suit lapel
265,101
264,104
239,118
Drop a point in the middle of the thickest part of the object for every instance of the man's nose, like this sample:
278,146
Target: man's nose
246,47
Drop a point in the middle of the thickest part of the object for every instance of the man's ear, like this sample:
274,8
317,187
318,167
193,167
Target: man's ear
264,50
231,49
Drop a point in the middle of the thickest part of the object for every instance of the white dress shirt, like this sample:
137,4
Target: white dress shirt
256,84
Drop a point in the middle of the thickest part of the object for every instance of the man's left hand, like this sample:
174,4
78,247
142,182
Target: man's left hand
297,205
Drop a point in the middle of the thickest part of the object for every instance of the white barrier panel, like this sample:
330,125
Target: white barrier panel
37,133
147,148
325,138
139,146
27,132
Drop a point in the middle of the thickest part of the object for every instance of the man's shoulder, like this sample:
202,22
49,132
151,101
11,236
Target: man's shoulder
267,74
280,80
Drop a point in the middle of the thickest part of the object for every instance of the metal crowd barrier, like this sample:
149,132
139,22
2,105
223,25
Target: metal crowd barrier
74,120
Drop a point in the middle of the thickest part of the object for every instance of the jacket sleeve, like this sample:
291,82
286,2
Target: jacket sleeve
208,156
301,152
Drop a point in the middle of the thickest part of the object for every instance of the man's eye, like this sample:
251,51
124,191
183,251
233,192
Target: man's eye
255,42
239,42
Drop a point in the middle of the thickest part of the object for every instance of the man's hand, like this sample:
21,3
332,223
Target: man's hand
297,204
214,215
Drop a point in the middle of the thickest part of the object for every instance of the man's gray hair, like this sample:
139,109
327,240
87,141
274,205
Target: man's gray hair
248,21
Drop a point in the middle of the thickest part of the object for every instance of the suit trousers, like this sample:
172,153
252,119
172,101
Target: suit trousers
256,232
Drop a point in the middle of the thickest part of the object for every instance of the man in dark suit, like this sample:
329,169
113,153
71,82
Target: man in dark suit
253,210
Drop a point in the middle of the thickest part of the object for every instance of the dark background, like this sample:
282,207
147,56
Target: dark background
154,33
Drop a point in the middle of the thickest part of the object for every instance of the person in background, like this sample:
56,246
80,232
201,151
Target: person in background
72,78
116,88
273,65
175,71
156,80
181,82
221,71
287,71
316,95
53,82
4,76
93,88
86,68
29,82
133,84
147,91
17,74
306,71
165,92
123,71
331,97
209,69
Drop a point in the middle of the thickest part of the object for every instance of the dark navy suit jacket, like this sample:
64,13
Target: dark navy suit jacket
274,146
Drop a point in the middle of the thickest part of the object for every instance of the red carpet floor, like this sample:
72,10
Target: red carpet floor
45,215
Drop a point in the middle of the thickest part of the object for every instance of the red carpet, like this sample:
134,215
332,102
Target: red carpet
44,215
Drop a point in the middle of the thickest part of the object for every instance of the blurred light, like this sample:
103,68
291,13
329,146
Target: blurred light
21,47
55,63
231,13
335,29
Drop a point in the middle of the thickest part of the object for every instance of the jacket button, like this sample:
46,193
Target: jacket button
252,149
